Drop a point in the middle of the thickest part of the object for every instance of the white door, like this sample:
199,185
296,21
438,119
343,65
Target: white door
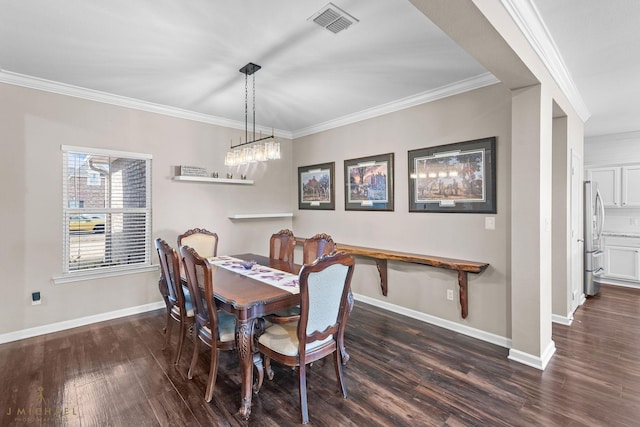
577,247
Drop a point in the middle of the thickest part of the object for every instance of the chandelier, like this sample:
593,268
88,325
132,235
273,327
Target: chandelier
256,150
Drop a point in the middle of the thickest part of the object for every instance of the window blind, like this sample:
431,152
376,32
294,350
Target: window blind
106,209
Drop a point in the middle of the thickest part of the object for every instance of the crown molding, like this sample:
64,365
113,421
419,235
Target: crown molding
526,16
456,88
122,101
476,82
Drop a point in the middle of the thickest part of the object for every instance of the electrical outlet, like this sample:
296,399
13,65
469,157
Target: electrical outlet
35,298
450,294
490,223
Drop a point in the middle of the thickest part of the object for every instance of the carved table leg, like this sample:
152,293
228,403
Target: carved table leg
462,282
244,336
258,329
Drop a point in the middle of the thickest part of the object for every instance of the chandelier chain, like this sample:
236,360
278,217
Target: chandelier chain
246,108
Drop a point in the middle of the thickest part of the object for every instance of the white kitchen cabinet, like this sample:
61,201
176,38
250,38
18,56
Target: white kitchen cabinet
619,185
622,258
608,179
631,186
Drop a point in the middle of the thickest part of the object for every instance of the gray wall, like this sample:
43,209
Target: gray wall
33,125
481,113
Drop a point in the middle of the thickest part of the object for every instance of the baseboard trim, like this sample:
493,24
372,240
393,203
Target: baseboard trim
538,362
74,323
446,324
616,282
562,320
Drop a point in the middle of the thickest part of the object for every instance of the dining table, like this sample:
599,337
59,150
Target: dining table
249,299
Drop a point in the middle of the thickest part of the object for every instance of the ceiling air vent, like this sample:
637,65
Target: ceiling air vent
333,18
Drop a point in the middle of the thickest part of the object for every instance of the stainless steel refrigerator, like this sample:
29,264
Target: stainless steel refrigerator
593,248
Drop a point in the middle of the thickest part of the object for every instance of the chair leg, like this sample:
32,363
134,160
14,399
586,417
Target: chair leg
257,362
337,363
213,372
345,356
196,351
302,382
167,332
267,367
180,342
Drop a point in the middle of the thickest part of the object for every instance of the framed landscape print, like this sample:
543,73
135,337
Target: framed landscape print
457,177
315,186
369,183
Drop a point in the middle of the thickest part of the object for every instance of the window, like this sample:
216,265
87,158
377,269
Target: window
106,210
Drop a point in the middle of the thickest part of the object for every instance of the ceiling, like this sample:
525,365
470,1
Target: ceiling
186,56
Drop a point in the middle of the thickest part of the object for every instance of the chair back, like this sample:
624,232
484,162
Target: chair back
203,241
324,291
170,271
199,281
282,245
316,246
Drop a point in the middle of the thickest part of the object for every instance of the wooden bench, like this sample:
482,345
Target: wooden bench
381,256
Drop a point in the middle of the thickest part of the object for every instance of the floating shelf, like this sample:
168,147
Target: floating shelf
213,180
261,215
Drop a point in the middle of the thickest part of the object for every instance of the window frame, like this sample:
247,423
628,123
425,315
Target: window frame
115,270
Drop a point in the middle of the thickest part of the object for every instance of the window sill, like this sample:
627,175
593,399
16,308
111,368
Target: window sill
82,276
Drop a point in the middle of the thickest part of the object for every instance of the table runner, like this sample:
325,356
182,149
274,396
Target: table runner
268,275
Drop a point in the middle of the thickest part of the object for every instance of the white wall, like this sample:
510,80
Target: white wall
612,149
615,149
482,113
33,125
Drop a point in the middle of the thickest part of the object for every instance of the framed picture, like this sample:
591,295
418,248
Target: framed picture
369,183
315,186
457,177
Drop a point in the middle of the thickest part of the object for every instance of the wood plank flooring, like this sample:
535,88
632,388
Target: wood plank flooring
402,372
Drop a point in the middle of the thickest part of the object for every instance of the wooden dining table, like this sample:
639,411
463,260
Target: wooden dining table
249,299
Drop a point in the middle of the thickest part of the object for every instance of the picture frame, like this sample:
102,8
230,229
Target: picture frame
316,187
458,178
368,183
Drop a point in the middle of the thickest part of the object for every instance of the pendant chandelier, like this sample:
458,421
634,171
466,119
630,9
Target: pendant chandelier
256,150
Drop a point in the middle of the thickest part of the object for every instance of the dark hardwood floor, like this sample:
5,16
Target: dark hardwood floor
402,372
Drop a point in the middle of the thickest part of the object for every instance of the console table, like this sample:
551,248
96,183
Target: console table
381,256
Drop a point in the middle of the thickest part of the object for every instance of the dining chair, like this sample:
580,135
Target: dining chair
313,248
203,241
213,327
176,295
316,246
282,245
324,289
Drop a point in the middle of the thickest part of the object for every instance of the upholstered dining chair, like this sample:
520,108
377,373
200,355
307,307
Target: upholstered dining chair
313,248
316,246
324,289
282,245
176,296
213,327
203,241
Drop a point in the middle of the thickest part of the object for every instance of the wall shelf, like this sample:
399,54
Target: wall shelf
261,215
213,180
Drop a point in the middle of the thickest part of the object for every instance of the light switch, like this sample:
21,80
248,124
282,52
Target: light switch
490,223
